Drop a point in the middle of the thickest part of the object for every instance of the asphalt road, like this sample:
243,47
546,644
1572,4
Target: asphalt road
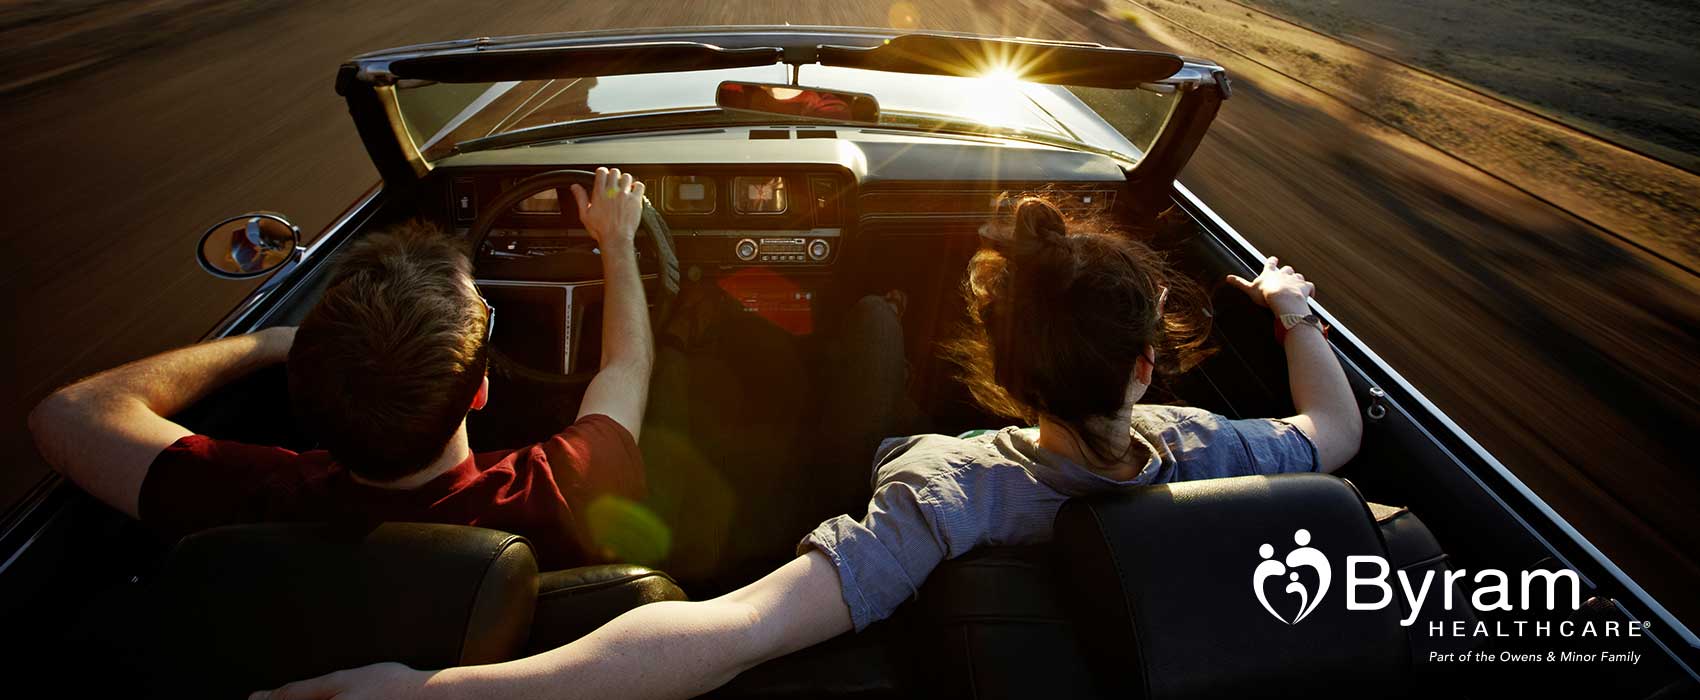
1569,356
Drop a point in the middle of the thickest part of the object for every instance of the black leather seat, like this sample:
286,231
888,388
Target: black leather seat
994,625
1413,549
574,602
1148,594
254,606
877,662
1162,582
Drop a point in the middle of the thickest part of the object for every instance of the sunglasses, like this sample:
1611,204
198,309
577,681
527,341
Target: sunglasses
489,320
1150,357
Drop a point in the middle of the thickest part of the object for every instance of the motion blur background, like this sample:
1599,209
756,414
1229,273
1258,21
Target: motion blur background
1499,196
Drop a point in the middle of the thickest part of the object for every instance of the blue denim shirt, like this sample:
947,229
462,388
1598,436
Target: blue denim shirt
937,497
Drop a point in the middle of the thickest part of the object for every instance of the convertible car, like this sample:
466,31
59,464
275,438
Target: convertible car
792,171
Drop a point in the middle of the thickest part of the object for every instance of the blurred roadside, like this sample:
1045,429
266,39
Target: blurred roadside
1650,202
1623,71
54,39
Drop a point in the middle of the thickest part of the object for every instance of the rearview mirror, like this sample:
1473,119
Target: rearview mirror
813,103
250,245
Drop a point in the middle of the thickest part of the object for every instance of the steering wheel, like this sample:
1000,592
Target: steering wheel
658,245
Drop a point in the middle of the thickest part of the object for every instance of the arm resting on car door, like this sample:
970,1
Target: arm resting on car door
104,432
1328,413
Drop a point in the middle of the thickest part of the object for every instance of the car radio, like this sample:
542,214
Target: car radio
782,250
757,248
787,249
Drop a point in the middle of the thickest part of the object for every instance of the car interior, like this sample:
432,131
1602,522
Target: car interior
759,241
765,268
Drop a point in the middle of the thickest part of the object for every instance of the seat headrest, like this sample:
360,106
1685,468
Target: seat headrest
1161,580
253,606
988,619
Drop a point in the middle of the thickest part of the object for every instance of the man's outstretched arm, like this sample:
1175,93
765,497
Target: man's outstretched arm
670,649
611,214
104,432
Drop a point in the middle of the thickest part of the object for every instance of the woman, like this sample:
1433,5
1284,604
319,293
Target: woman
1066,329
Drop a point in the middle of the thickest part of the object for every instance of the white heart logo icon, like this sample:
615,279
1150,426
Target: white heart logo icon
1270,567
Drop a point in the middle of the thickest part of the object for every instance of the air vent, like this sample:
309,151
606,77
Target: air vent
816,134
764,134
825,190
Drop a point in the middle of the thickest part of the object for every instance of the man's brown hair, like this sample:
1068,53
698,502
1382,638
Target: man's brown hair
386,365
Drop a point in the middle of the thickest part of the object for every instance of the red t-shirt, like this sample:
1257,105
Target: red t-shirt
540,492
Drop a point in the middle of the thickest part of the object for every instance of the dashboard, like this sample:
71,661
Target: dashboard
720,218
786,198
778,219
767,236
694,195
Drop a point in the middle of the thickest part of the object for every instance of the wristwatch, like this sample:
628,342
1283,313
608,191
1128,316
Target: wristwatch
1286,322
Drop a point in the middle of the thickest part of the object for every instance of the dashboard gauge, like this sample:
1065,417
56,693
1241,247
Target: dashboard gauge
759,195
545,202
688,194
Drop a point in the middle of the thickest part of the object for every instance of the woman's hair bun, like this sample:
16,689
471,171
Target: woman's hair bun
1039,239
1040,222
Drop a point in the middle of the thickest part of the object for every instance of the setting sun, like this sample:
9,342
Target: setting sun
1003,76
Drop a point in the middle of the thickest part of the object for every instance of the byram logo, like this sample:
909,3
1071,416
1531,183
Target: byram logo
1304,556
1493,589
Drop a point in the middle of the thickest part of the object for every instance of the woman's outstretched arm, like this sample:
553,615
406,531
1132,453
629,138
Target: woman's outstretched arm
662,650
1327,411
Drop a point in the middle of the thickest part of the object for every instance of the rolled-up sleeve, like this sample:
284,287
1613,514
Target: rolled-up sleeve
883,559
1204,445
1276,446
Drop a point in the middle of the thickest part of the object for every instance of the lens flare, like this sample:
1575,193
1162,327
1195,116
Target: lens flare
902,15
1003,76
626,531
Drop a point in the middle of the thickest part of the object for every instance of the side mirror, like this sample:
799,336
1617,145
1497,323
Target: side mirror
247,246
809,102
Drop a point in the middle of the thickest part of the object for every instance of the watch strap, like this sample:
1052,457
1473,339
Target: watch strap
1286,322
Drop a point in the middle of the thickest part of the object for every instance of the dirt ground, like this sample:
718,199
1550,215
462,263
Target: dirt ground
1568,351
47,40
1649,202
1623,70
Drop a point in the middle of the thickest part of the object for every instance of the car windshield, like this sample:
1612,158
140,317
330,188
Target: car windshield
439,117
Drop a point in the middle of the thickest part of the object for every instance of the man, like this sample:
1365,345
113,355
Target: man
383,372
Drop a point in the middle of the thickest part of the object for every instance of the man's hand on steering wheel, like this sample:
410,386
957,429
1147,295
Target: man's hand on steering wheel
611,206
613,210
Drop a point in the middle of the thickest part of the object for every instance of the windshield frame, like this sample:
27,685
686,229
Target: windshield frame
648,123
370,82
1053,117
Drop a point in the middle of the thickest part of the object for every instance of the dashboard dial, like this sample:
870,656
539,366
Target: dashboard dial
759,195
688,194
545,202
